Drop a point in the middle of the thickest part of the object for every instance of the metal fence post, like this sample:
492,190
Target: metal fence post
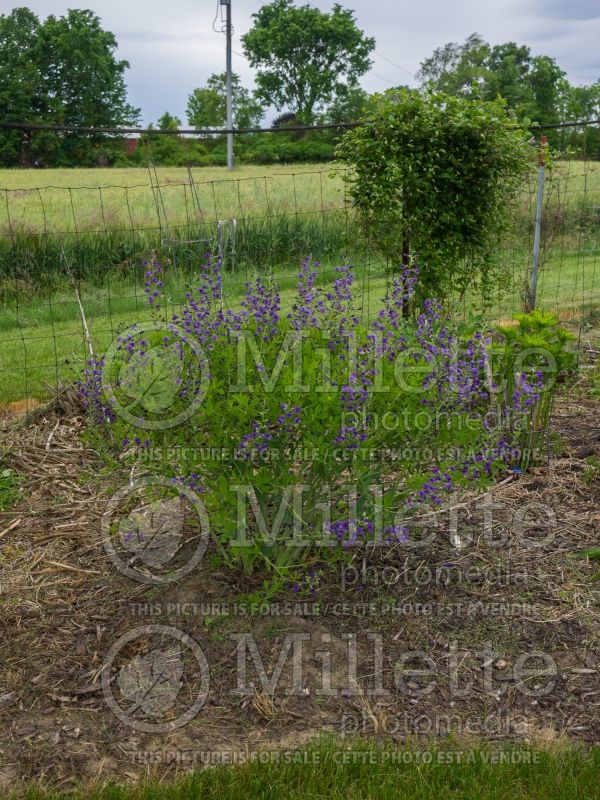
538,224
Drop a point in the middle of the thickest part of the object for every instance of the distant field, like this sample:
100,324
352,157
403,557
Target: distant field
97,199
99,223
81,200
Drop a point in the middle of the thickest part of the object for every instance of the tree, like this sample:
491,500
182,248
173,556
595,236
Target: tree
173,149
509,66
535,88
456,69
304,57
61,71
348,106
549,89
432,177
168,122
583,102
21,93
207,106
286,120
83,81
168,150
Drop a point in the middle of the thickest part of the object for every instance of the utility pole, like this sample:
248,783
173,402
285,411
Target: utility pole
229,35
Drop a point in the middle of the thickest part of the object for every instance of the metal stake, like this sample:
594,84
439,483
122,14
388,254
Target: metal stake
538,224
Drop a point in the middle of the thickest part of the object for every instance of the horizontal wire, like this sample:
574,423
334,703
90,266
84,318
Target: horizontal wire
31,126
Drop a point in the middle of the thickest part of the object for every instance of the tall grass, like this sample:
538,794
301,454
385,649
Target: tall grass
100,224
42,262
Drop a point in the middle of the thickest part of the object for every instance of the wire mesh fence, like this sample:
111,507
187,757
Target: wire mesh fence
72,257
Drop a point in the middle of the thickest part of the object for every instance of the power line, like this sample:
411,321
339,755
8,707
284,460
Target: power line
393,63
221,29
177,132
383,78
32,126
556,125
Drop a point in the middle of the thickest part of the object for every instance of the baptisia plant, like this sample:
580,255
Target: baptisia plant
314,431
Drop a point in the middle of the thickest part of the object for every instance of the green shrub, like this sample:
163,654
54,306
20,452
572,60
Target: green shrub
432,176
290,411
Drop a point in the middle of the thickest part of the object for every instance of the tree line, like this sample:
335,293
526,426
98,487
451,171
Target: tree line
308,65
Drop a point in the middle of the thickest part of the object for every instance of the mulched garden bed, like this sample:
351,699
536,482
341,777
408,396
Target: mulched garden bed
63,605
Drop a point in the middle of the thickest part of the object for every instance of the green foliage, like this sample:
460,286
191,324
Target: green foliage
282,149
349,106
60,71
540,330
456,69
533,353
21,92
207,106
170,150
535,87
434,174
593,555
305,57
592,471
84,83
168,122
9,488
32,266
284,408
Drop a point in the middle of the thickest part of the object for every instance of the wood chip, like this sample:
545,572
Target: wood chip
71,568
14,524
7,699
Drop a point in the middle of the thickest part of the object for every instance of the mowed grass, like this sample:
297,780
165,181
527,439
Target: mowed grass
361,771
42,341
43,344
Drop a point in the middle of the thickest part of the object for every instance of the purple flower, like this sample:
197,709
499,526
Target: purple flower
262,304
310,306
255,445
92,393
153,284
342,320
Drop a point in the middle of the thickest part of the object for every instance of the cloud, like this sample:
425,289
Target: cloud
570,9
159,37
173,48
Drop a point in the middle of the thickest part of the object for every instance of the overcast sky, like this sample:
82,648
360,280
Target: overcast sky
172,48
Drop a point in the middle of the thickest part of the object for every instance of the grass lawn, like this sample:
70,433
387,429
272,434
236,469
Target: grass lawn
361,771
42,341
39,200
